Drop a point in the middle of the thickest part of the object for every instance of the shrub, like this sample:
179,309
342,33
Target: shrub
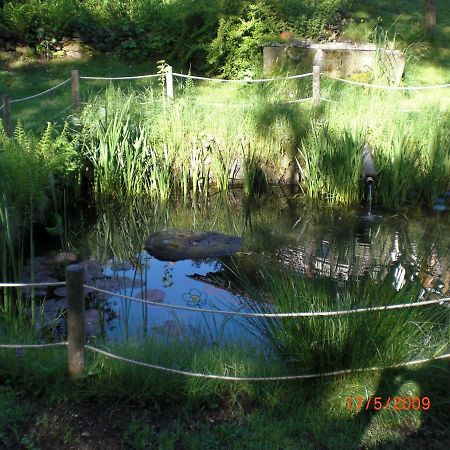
236,49
227,34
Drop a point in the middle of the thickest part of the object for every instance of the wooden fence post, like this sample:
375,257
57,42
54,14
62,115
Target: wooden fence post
430,18
76,98
76,325
316,85
169,82
7,115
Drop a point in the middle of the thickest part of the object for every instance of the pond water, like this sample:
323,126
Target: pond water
322,244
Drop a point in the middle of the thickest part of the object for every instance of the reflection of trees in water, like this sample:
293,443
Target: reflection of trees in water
347,246
326,242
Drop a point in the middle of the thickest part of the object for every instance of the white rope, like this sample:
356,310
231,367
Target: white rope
230,105
294,101
151,102
328,100
390,88
247,105
281,378
280,315
138,77
7,285
18,346
261,80
41,93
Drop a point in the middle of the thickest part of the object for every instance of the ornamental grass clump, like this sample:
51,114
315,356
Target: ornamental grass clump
351,341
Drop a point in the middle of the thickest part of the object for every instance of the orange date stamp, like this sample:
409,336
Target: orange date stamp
396,403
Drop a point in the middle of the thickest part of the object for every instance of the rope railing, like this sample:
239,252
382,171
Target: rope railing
40,284
269,378
76,338
168,76
31,346
439,301
224,377
137,77
271,315
40,93
388,88
246,80
249,105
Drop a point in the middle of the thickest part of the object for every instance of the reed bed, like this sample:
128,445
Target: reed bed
160,149
179,148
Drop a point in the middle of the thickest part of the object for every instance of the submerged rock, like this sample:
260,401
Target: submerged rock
176,245
64,258
152,295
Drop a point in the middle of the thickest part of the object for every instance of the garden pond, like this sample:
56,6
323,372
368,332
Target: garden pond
324,245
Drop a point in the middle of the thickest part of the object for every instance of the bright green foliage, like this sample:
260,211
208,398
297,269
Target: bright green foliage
317,344
331,164
158,149
33,173
235,51
177,30
28,163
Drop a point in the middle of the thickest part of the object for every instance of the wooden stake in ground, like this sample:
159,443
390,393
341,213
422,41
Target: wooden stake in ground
169,82
316,85
430,18
76,97
76,325
7,116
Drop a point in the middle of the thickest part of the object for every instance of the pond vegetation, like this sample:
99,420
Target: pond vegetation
92,185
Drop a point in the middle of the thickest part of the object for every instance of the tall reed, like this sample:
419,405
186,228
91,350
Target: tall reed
330,164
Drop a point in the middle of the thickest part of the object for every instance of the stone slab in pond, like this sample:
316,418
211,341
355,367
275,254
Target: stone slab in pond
176,245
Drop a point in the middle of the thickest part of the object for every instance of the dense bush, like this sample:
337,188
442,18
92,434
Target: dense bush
228,34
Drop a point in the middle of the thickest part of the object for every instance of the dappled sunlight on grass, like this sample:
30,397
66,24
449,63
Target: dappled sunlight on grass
403,20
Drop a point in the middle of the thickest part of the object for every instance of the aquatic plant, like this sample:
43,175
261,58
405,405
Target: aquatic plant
315,344
330,165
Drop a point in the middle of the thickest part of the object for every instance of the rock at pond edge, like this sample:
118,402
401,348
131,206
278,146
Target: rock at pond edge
176,245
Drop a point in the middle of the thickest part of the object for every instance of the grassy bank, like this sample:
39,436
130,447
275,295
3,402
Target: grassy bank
316,416
139,144
42,408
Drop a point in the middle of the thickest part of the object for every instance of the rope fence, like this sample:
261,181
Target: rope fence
43,284
28,346
76,330
40,93
138,77
388,88
169,76
247,105
271,315
440,301
278,378
245,80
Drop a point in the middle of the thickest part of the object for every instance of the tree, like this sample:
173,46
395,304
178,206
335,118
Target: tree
430,17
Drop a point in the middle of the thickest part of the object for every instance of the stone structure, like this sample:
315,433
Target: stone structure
337,58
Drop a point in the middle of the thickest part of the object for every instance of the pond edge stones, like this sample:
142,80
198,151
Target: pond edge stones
179,244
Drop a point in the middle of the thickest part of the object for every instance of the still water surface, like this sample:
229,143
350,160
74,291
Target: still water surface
323,244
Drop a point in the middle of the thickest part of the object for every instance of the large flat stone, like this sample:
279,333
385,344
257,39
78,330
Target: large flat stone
175,245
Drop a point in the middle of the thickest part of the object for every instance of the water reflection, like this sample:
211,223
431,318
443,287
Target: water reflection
322,244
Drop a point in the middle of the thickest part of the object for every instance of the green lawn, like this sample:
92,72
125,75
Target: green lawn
402,21
292,415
